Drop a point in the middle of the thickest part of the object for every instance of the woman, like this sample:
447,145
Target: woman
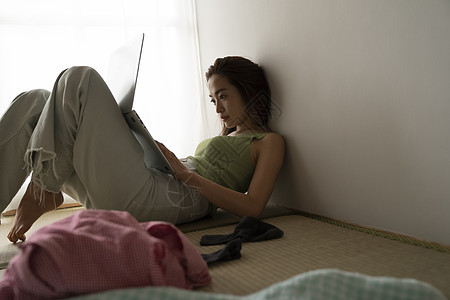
75,140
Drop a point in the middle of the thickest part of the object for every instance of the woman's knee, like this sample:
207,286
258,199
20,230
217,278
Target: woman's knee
77,74
30,102
36,95
78,80
23,113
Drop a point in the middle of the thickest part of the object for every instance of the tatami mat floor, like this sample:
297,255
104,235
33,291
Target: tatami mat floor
307,244
311,244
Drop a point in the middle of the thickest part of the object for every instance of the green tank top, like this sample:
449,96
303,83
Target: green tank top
227,160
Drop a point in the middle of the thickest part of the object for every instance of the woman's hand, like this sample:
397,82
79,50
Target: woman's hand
181,172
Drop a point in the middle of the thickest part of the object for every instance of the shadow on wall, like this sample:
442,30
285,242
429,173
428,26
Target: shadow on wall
294,185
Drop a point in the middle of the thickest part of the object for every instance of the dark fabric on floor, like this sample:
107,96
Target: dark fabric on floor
249,230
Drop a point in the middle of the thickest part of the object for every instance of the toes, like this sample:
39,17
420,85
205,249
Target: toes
16,235
12,238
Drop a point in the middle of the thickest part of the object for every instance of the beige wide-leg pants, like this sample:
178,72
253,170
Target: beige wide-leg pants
76,140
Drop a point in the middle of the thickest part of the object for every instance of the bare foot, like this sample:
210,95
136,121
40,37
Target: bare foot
30,209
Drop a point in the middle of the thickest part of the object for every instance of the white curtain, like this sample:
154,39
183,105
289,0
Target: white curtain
38,39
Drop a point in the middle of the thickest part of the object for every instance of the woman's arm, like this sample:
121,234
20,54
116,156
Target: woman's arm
269,156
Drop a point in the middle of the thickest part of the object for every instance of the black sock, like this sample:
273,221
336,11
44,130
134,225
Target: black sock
231,251
249,230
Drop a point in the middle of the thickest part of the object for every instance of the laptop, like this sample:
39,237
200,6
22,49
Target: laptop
122,77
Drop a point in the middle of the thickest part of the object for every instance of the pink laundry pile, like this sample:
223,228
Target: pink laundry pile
98,250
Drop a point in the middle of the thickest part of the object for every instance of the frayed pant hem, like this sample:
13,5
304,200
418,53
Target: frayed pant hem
42,163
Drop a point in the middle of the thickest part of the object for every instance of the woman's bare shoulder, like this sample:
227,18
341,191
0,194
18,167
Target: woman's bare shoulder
273,138
272,144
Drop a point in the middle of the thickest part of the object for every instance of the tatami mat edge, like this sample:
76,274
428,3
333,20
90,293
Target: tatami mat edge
377,232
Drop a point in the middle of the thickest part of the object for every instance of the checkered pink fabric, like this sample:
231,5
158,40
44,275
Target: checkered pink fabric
97,250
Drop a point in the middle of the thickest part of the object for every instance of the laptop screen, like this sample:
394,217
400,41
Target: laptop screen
123,71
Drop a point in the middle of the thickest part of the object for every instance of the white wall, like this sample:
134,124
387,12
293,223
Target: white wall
362,90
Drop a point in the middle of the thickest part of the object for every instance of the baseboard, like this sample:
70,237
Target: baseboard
378,232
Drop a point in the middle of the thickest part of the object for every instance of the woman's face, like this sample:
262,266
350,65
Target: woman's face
228,102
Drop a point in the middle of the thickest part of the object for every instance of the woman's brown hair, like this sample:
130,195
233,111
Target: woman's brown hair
250,80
